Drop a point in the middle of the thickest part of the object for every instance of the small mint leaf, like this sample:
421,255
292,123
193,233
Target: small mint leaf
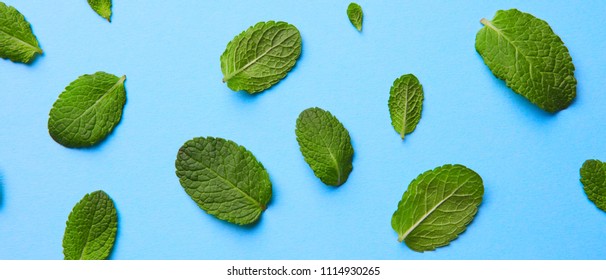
355,14
102,8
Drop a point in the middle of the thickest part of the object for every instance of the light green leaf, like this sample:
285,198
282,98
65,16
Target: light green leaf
17,42
405,104
325,145
88,110
224,179
91,228
102,8
523,50
355,14
593,177
437,207
261,56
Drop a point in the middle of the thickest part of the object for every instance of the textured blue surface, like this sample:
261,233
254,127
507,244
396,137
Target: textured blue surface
534,206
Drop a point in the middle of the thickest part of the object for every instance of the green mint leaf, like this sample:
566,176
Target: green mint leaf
91,228
437,207
88,110
102,8
405,104
17,42
593,177
523,51
224,179
355,14
325,145
261,56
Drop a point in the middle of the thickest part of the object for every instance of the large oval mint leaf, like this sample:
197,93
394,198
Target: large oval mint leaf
224,179
405,104
261,56
17,41
91,228
325,145
355,15
593,177
88,110
102,8
437,207
525,52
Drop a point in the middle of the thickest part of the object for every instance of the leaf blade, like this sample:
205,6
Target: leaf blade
91,228
355,15
425,214
405,104
88,110
325,145
102,7
224,179
533,61
17,41
261,56
593,178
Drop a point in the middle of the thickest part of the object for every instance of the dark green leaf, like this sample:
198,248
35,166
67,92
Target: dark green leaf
224,179
325,145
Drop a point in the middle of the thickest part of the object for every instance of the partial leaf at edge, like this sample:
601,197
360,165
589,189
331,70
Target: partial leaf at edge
17,41
102,8
593,178
91,228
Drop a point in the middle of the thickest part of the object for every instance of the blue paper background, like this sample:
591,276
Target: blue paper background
534,206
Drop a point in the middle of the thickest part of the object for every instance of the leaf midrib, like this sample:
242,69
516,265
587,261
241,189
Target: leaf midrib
89,228
334,160
252,62
404,115
36,48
